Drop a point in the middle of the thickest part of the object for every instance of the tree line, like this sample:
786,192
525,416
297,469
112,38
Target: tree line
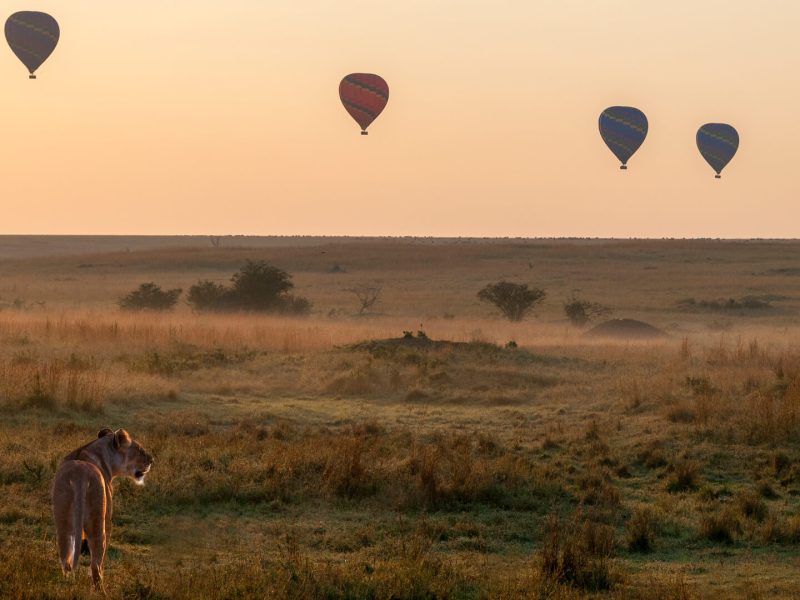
256,287
261,287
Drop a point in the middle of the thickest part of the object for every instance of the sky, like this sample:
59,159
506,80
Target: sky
204,117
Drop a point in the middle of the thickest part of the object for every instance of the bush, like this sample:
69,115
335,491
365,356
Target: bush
150,296
725,304
257,286
209,296
514,300
580,312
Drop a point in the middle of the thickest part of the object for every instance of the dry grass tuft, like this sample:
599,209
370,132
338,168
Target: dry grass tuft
641,529
570,554
721,526
27,381
684,476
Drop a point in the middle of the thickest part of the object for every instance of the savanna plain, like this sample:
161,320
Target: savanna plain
329,456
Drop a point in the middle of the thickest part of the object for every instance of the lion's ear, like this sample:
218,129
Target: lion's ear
104,432
122,439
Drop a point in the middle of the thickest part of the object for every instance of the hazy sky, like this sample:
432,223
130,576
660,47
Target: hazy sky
193,116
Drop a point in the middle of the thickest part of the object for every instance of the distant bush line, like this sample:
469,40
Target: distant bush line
721,304
256,287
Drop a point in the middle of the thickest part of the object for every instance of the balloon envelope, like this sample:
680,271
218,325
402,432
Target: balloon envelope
32,36
623,129
718,143
364,96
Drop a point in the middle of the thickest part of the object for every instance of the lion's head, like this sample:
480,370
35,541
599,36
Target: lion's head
131,459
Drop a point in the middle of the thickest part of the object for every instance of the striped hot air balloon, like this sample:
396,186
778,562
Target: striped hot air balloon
623,129
33,37
364,96
718,143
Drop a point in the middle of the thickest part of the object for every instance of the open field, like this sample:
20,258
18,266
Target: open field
315,457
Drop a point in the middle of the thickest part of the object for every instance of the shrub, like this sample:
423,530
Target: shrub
514,300
580,312
257,286
150,296
209,296
725,304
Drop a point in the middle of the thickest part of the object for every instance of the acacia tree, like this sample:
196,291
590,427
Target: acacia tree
580,312
514,300
260,286
367,296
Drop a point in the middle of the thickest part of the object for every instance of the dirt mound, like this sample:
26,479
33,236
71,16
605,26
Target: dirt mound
626,329
420,341
404,348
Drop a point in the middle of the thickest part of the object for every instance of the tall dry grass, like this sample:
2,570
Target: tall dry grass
291,464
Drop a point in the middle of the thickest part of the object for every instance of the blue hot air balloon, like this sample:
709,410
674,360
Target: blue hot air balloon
33,37
718,143
623,129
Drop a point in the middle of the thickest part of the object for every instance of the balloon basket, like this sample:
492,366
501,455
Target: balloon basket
31,76
364,133
623,167
717,176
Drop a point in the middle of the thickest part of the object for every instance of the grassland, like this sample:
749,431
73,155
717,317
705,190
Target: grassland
322,457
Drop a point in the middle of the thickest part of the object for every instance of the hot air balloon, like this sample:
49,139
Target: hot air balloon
623,129
717,142
364,96
33,37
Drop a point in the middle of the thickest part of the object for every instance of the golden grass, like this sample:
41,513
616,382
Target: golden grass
292,461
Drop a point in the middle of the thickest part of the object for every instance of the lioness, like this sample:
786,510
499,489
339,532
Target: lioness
82,495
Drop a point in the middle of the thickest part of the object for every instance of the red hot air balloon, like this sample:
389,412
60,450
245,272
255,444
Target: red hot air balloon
364,96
